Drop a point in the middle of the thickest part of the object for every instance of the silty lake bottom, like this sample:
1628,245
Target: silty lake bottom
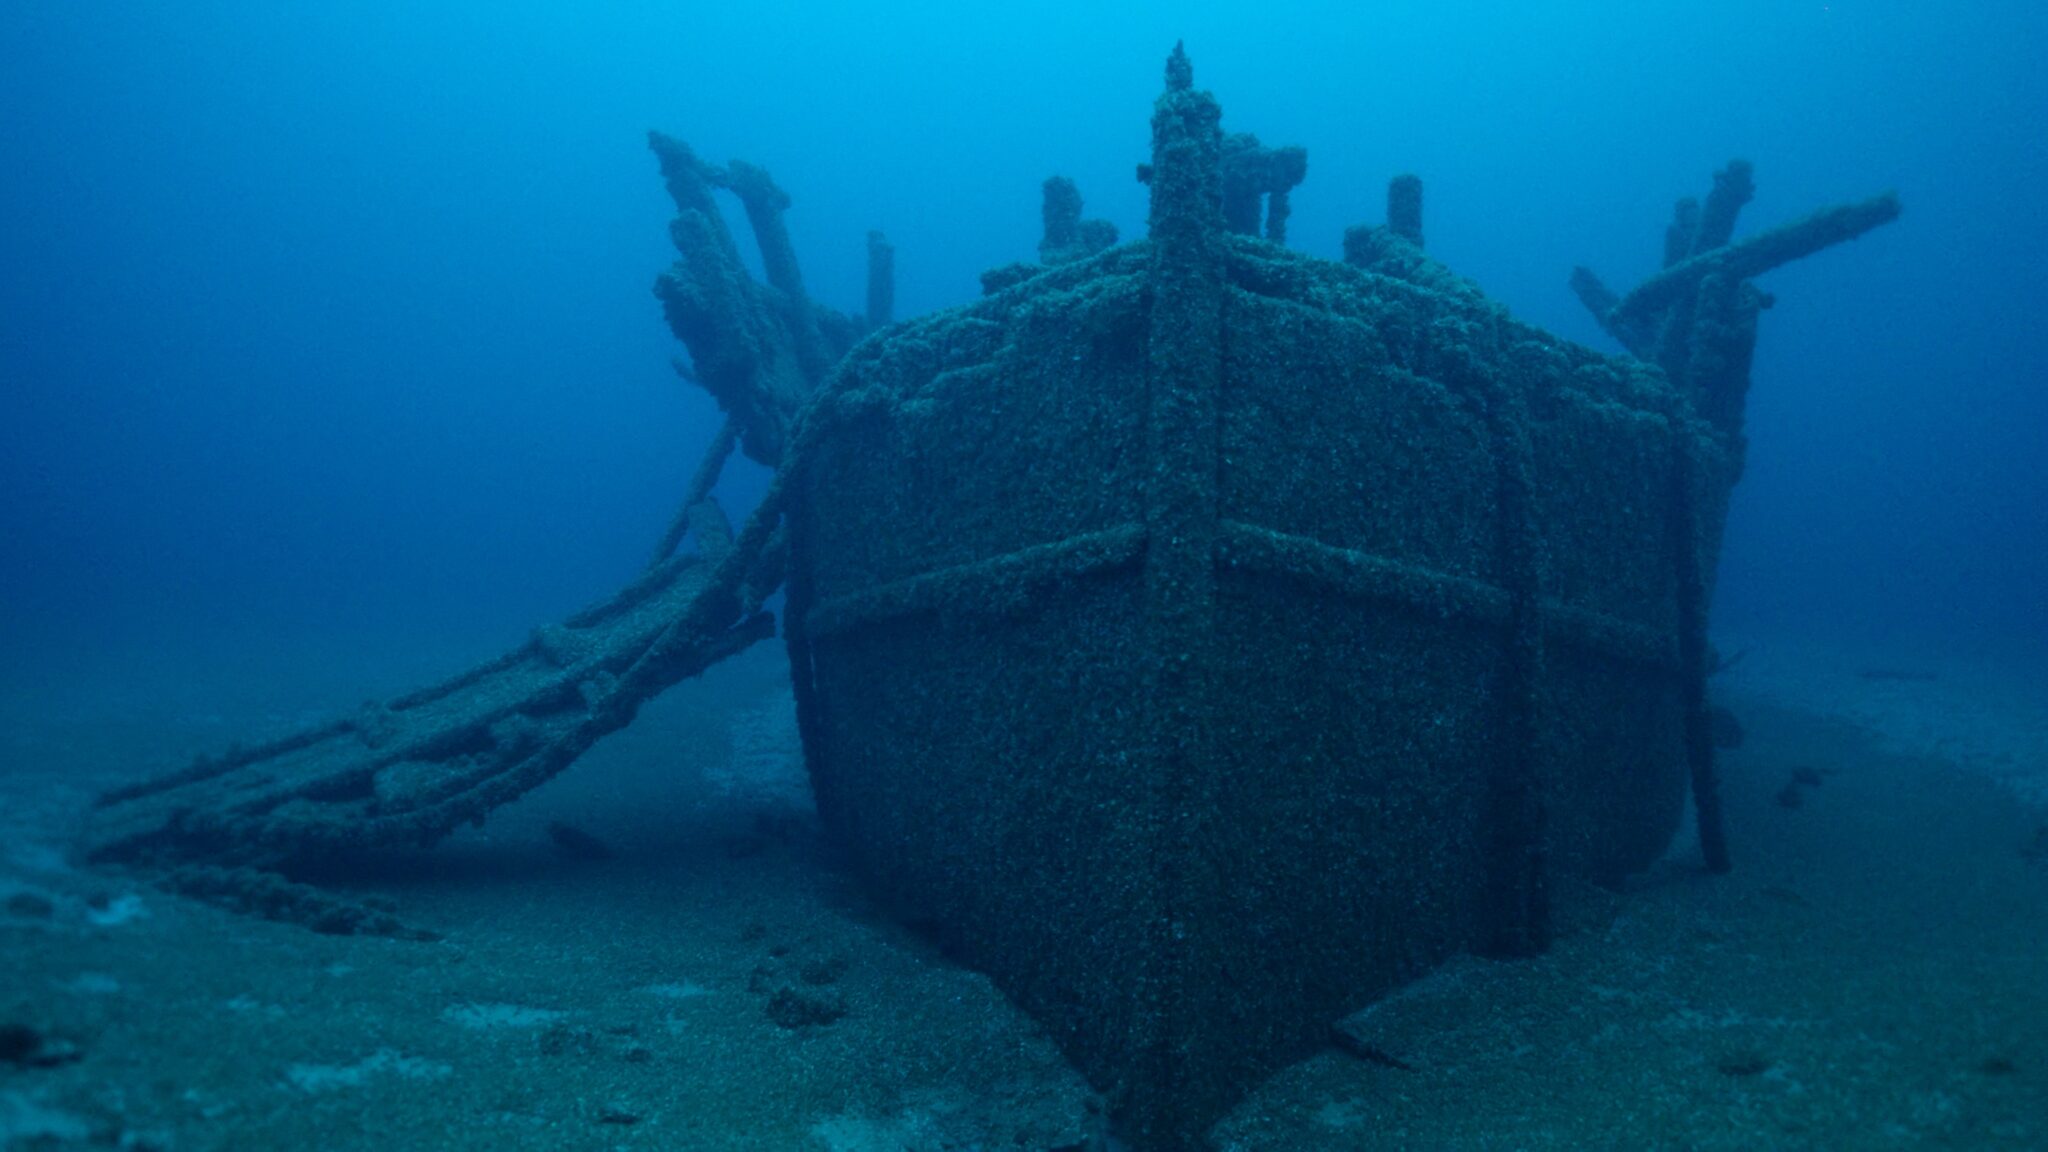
1867,977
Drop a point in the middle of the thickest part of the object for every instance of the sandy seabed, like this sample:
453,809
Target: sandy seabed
1873,975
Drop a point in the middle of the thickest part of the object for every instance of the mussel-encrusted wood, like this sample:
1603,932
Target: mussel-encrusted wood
1205,638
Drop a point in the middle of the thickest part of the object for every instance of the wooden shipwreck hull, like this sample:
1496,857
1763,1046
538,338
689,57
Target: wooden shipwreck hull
1205,638
1202,638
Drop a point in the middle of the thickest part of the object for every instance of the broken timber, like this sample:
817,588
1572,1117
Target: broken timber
1696,319
412,769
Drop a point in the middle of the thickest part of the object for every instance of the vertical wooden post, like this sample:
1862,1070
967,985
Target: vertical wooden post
881,281
1185,378
1404,208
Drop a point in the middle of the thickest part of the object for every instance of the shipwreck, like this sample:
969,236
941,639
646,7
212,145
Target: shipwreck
1199,637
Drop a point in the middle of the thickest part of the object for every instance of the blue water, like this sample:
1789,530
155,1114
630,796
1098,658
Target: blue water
340,318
